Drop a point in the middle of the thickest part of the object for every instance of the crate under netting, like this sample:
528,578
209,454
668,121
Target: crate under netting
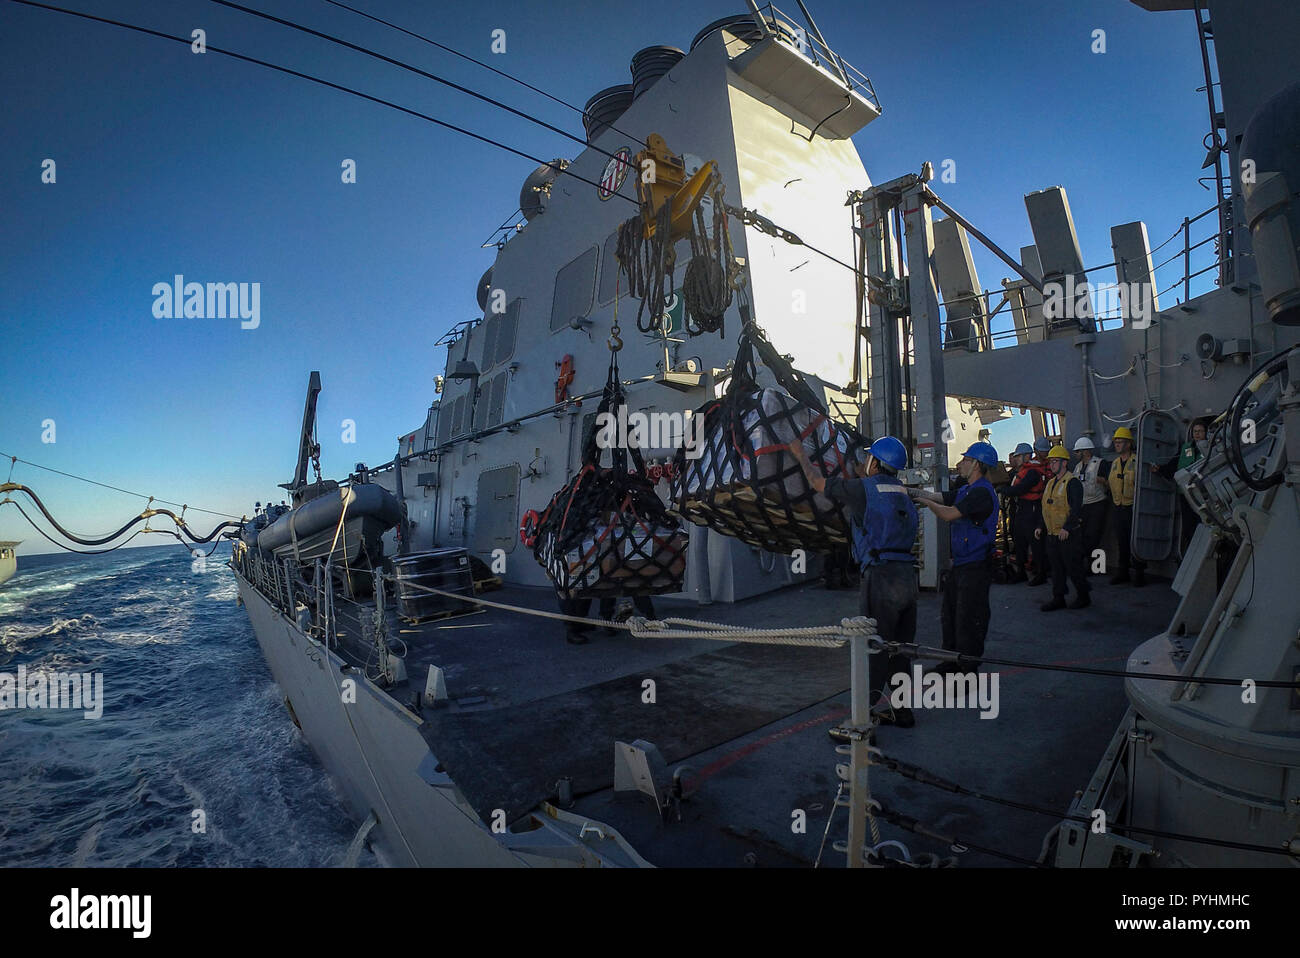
607,532
600,537
745,483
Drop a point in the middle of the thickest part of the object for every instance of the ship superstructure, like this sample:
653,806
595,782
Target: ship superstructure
774,108
477,743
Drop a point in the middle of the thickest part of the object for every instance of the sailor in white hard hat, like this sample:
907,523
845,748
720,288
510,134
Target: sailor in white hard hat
1091,470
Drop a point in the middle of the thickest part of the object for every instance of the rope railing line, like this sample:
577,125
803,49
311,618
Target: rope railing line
1183,252
1215,265
830,636
838,634
1178,232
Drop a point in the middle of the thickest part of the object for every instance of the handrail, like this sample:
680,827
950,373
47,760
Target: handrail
854,79
991,340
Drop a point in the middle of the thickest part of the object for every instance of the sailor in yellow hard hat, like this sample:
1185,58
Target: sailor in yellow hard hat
1123,483
1062,528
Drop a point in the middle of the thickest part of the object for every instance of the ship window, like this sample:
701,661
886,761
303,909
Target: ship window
499,335
480,406
575,286
444,421
496,523
489,354
497,400
507,326
609,271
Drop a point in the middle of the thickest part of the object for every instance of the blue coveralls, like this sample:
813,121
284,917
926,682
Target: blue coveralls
883,537
966,591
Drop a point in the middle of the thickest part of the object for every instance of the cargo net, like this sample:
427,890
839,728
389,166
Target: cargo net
607,532
745,483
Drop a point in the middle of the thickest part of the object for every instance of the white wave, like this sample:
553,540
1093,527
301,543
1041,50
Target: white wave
137,638
20,633
86,844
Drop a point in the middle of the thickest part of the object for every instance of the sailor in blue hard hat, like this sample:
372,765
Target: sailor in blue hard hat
971,511
884,531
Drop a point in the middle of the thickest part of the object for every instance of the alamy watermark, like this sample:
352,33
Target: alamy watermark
953,690
1072,300
654,430
75,911
182,300
53,690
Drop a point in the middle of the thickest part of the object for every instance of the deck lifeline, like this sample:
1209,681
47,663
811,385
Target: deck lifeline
537,708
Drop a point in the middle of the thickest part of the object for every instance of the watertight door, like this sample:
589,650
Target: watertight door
1155,498
497,522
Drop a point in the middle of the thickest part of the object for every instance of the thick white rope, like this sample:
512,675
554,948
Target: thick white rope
822,636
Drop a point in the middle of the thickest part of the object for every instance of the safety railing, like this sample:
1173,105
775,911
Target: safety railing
805,39
1183,265
510,227
355,629
282,583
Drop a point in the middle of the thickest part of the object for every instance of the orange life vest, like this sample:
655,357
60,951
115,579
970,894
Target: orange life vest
1023,471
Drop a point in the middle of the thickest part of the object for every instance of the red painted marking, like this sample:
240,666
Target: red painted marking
732,757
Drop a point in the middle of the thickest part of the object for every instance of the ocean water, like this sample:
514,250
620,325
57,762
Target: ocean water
192,720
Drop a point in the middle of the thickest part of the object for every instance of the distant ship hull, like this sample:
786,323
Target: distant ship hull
8,561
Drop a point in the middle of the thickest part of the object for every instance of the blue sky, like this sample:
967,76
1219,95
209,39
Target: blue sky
171,163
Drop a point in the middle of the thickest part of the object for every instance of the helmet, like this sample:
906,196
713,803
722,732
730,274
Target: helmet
1083,442
890,451
1058,452
1042,444
982,452
1024,449
1123,432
